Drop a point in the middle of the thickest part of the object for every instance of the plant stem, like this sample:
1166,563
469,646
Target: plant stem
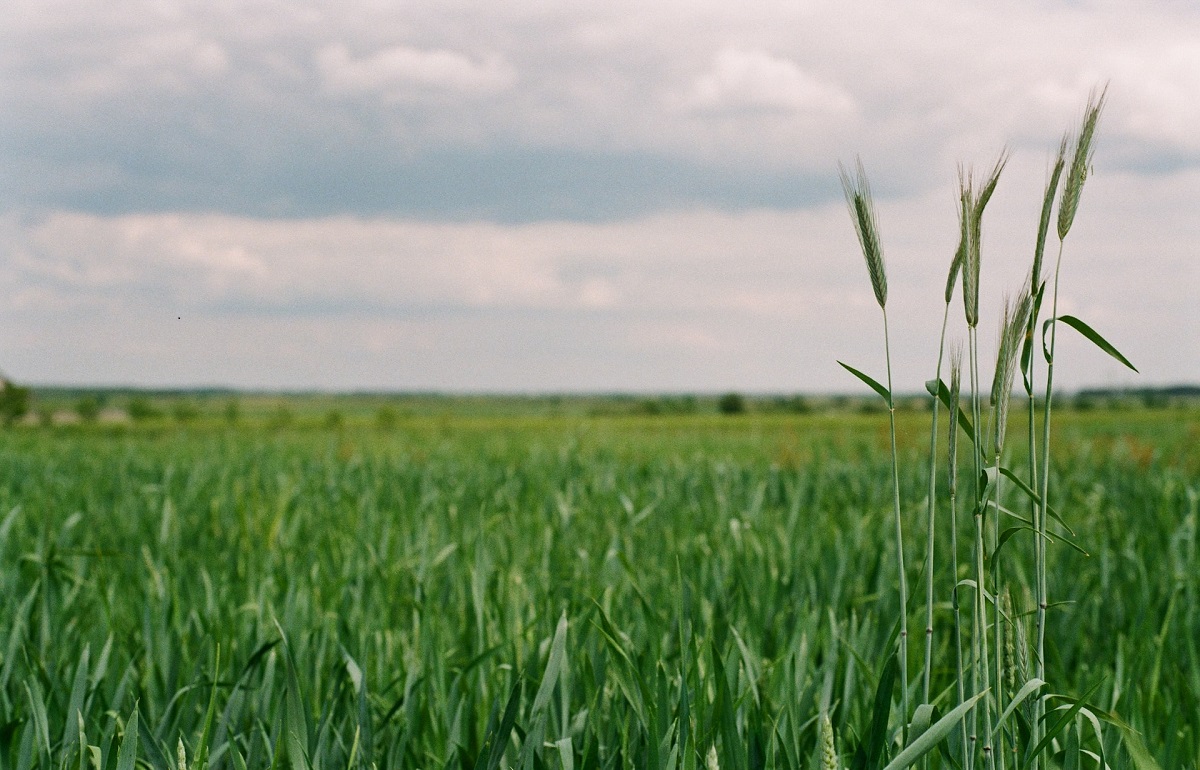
933,433
998,625
903,652
1039,533
1042,594
954,605
982,673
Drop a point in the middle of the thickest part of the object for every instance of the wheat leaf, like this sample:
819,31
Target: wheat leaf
1091,334
875,386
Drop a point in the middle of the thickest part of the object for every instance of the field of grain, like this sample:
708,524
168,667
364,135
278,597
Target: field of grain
563,592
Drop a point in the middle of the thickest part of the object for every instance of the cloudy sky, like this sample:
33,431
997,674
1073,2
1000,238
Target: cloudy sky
550,196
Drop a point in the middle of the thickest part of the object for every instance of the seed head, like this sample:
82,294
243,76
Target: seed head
862,211
1012,334
1081,161
1060,161
970,247
1014,666
829,757
960,254
973,202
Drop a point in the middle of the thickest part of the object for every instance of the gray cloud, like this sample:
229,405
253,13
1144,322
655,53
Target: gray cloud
526,112
763,299
511,184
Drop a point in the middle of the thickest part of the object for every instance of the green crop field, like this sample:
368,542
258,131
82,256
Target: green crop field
561,592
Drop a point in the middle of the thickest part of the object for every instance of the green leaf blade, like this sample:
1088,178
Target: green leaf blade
1091,334
883,392
929,739
127,754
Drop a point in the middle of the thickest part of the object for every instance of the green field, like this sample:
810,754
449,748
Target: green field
563,591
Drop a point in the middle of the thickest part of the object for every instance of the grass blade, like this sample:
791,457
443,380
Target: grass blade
494,744
883,392
1029,688
554,664
1090,334
943,395
127,754
1020,482
75,704
201,760
929,739
870,749
1059,725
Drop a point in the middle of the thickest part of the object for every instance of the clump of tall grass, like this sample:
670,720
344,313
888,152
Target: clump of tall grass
988,722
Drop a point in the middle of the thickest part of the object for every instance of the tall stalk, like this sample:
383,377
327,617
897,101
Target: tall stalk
932,511
982,666
951,279
862,211
1012,332
1072,188
973,204
899,534
952,461
1028,359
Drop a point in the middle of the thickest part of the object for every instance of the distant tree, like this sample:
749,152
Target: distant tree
88,408
731,403
233,411
386,418
685,404
1153,399
185,410
141,409
796,404
14,403
282,417
871,406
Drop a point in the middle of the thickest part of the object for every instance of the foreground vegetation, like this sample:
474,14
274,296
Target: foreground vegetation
666,592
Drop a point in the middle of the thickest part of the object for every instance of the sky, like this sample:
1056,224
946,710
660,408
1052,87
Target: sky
530,196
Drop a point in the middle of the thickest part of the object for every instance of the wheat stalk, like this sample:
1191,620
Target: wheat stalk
862,211
1012,333
1067,207
955,266
952,461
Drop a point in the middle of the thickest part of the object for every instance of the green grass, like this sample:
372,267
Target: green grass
384,597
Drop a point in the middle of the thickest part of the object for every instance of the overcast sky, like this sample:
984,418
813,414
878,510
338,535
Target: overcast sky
550,196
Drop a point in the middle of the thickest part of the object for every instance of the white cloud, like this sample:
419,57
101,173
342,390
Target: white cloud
400,69
1160,91
755,79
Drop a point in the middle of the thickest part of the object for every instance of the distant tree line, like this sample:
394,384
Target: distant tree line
14,401
386,411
